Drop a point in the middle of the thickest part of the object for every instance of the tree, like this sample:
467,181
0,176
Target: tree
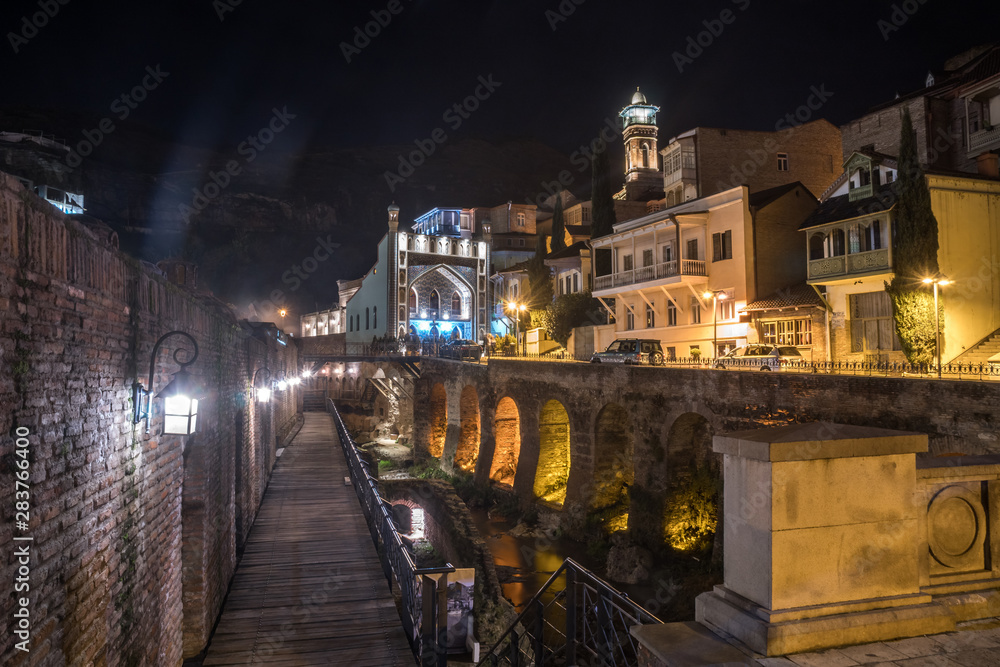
558,224
914,254
539,278
602,197
568,312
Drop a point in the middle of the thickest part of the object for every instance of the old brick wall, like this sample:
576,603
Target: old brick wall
134,534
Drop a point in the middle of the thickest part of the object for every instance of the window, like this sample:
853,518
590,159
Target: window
375,317
350,323
520,219
722,246
671,314
456,304
435,300
413,299
576,282
728,309
692,249
650,317
671,353
695,310
520,242
629,319
627,263
647,257
668,253
367,319
510,242
782,161
787,332
871,323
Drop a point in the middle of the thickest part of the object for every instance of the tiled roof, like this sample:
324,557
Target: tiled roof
842,208
796,296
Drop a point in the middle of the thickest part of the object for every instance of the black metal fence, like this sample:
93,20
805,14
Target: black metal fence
587,623
421,605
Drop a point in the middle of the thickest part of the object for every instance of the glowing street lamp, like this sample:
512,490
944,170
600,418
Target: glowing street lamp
716,297
517,309
262,389
940,280
180,407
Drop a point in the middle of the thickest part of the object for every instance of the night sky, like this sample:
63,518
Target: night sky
562,68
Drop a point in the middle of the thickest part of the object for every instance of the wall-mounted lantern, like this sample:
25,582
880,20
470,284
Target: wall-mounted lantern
262,388
180,405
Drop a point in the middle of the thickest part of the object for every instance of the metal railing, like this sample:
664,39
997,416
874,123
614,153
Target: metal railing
421,612
982,371
586,623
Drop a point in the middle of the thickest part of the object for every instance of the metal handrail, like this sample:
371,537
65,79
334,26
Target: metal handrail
591,606
419,621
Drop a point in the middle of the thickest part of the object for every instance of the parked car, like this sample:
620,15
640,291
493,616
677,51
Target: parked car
762,357
631,351
462,349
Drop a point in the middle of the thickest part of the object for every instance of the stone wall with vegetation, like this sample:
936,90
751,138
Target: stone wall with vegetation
134,534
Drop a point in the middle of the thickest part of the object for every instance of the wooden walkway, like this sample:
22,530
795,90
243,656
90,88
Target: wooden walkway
309,589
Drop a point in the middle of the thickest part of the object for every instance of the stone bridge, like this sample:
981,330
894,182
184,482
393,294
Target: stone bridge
581,438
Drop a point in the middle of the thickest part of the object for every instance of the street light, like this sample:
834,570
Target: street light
180,408
716,297
941,280
517,309
263,392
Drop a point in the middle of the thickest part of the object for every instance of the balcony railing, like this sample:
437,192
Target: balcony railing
661,271
980,140
860,192
842,265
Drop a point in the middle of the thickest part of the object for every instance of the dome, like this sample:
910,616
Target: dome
393,207
638,98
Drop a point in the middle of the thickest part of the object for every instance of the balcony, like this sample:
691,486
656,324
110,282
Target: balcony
983,139
860,192
846,265
661,271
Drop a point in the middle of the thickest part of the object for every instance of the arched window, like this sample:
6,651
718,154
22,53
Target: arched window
816,242
456,304
375,317
350,324
435,300
645,155
413,299
367,319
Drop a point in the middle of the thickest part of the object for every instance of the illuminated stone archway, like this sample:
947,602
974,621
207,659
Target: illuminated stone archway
552,473
691,514
613,470
507,435
439,420
468,439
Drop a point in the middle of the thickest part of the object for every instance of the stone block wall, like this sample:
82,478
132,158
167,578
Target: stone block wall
133,534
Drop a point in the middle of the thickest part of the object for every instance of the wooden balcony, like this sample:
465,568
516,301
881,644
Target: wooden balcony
847,265
983,139
646,274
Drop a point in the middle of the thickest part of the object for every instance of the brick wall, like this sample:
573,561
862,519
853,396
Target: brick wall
134,533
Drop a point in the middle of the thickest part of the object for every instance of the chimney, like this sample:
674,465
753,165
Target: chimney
988,164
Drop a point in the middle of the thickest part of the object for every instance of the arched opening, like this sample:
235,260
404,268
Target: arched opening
435,300
645,155
613,470
456,333
368,323
691,515
456,304
507,434
439,420
816,243
374,317
552,473
413,299
468,439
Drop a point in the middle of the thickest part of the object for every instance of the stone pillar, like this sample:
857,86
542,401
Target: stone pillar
822,539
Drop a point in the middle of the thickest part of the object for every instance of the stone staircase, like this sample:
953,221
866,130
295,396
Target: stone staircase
313,401
981,352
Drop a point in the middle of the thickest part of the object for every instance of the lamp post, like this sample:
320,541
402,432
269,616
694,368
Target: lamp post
716,297
940,280
180,407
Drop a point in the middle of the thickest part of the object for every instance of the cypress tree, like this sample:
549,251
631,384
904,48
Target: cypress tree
558,224
914,254
602,197
539,277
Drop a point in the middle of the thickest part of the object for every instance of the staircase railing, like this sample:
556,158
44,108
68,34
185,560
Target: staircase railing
424,609
586,623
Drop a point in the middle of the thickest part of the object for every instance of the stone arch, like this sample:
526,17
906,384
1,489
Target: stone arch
552,473
507,436
613,470
695,475
689,446
468,439
439,420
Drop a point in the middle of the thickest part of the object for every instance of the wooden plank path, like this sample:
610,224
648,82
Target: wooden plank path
309,589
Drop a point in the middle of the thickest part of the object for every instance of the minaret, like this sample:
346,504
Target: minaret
392,280
643,180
